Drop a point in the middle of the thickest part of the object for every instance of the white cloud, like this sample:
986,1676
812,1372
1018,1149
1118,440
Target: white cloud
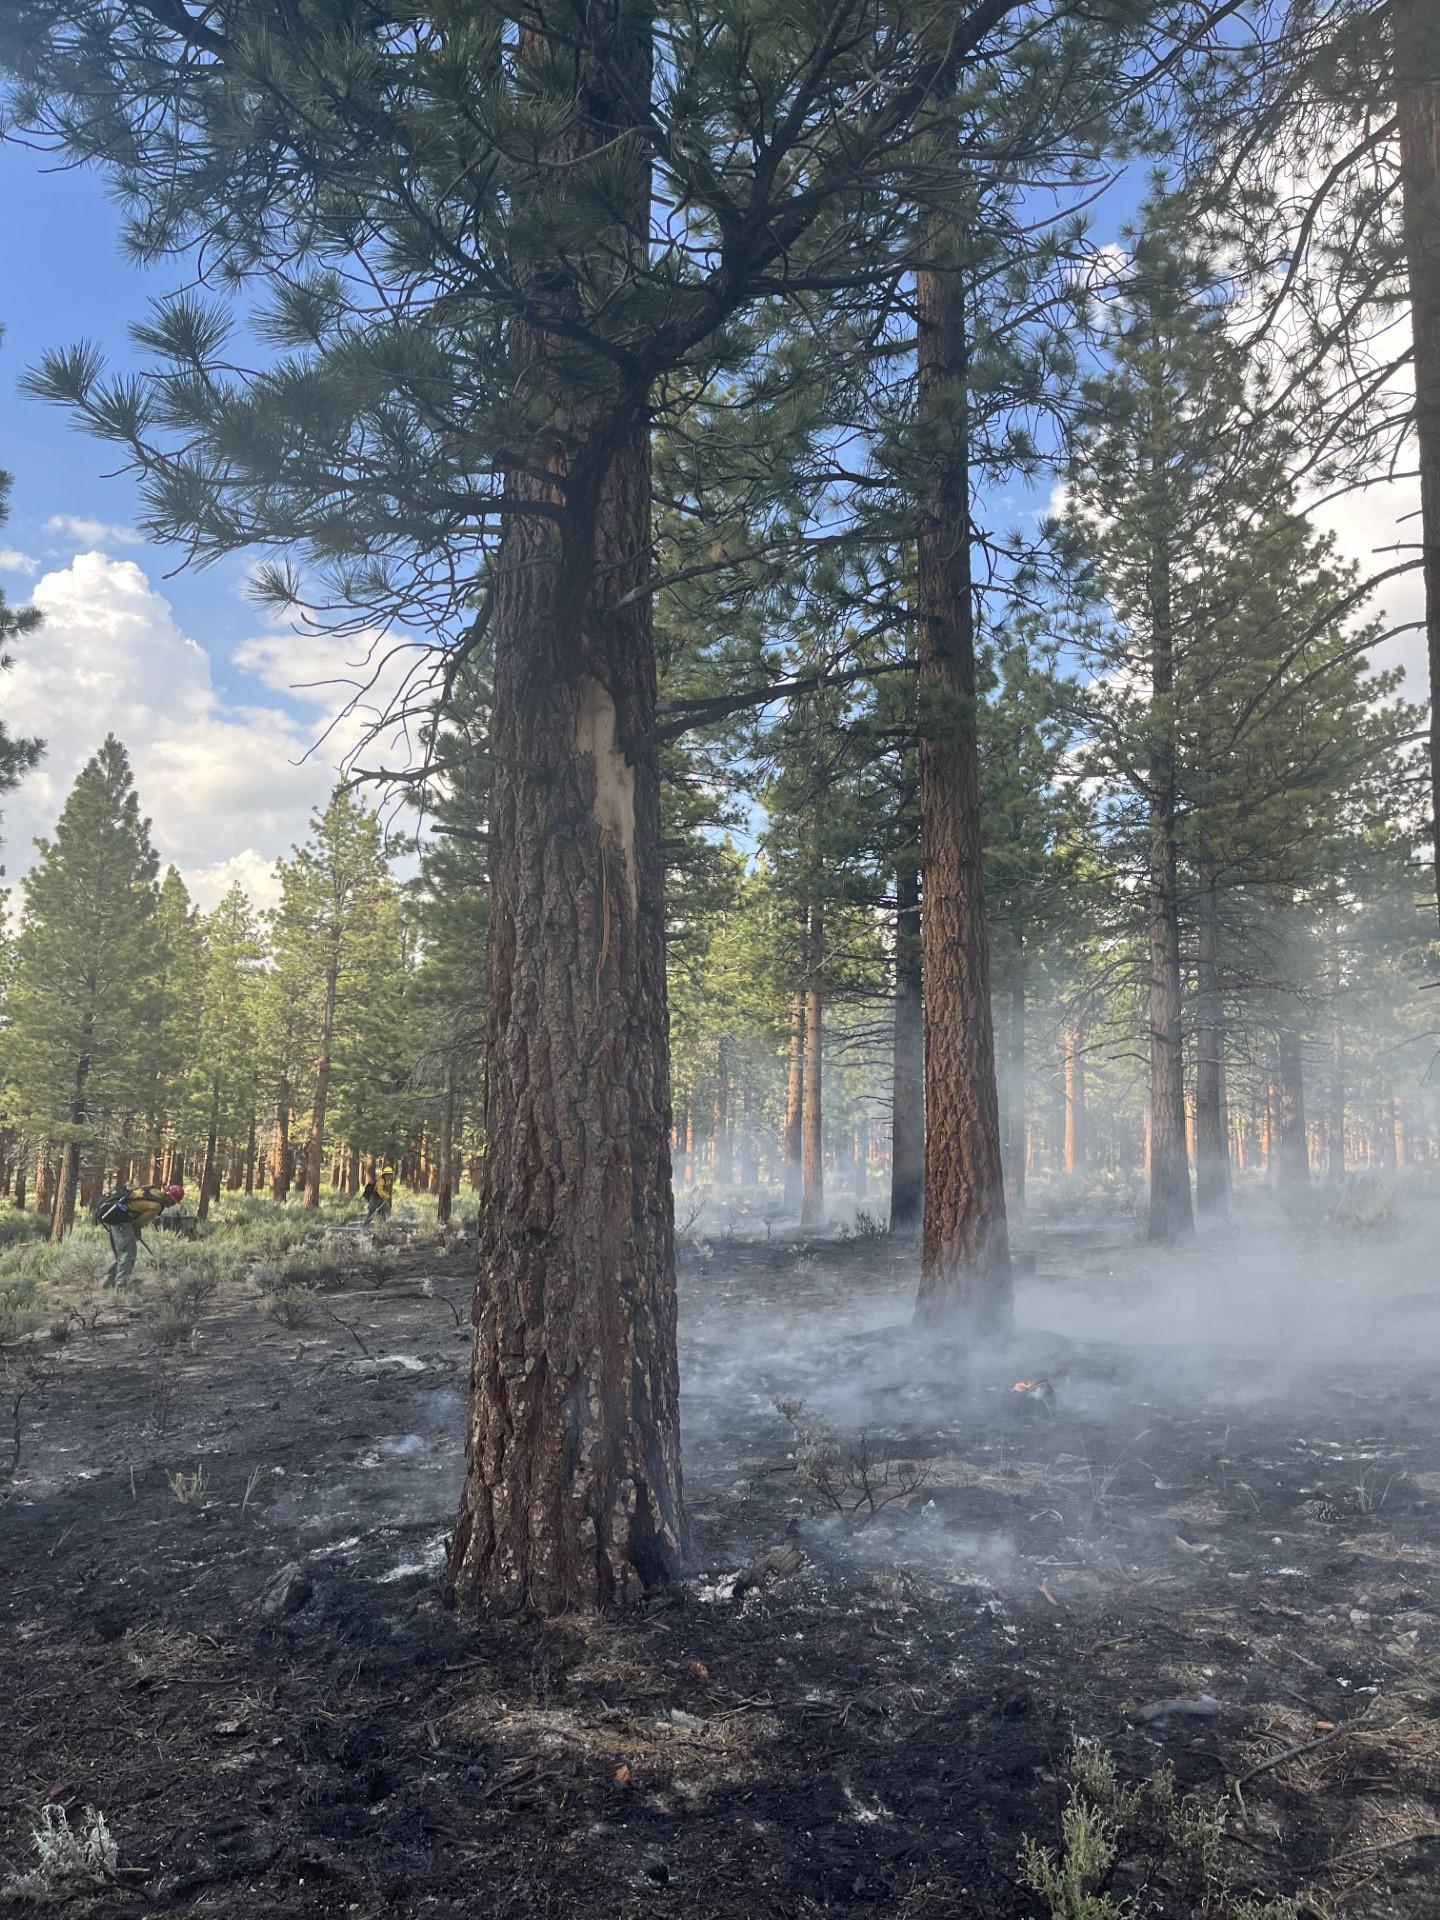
13,561
91,533
229,787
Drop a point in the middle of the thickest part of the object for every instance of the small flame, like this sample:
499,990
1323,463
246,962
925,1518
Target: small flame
1027,1386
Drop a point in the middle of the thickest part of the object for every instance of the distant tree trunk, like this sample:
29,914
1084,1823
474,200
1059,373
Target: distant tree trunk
250,1156
812,1195
749,1144
795,1105
446,1189
210,1171
1018,1104
280,1157
1416,26
1294,1155
965,1246
1212,1125
45,1182
724,1159
1335,1119
62,1214
1074,1103
315,1153
1170,1216
907,1095
1384,1143
22,1167
572,1496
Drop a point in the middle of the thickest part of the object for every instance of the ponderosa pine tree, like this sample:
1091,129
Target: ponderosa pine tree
490,415
330,892
170,1052
224,1034
82,998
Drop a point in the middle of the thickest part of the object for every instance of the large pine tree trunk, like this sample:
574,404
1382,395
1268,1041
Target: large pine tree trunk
1212,1123
315,1151
1294,1147
1170,1216
812,1193
795,1105
1416,25
907,1104
572,1496
250,1157
1075,1148
965,1246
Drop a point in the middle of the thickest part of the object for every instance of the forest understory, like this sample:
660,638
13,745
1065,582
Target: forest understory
908,1598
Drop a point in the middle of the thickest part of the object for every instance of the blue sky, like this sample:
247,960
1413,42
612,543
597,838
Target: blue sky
219,743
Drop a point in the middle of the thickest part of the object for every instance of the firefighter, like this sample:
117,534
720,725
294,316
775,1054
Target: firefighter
378,1195
124,1215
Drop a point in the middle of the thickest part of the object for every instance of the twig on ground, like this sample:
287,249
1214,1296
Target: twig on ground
1305,1746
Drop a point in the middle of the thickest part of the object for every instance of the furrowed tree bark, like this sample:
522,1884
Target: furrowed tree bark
1212,1122
965,1247
812,1194
795,1105
907,1126
572,1496
1416,28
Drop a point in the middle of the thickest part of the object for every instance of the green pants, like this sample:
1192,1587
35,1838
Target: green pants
124,1244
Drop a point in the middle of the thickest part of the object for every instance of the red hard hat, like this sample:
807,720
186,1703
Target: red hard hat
174,1193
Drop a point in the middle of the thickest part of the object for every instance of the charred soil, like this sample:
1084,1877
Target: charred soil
911,1590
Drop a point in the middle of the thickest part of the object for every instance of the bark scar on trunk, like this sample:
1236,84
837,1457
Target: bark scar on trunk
597,733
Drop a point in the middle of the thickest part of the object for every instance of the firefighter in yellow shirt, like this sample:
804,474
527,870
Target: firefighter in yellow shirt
379,1194
125,1214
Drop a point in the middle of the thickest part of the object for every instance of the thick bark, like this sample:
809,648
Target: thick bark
795,1105
1293,1159
1416,26
1170,1216
907,1128
572,1496
965,1246
1212,1120
315,1151
1075,1146
445,1193
812,1191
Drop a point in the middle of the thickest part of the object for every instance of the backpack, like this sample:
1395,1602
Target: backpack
111,1208
367,1192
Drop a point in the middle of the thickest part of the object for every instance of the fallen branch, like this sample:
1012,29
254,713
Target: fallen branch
1306,1746
1380,1846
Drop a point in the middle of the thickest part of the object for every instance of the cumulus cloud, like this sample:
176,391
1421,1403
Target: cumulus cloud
91,533
13,561
229,785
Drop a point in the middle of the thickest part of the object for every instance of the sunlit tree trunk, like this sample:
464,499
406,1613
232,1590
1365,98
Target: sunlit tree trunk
965,1247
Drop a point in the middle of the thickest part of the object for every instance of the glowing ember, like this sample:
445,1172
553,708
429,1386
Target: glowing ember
1027,1386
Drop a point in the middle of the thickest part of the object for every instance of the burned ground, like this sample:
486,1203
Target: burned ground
1235,1505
